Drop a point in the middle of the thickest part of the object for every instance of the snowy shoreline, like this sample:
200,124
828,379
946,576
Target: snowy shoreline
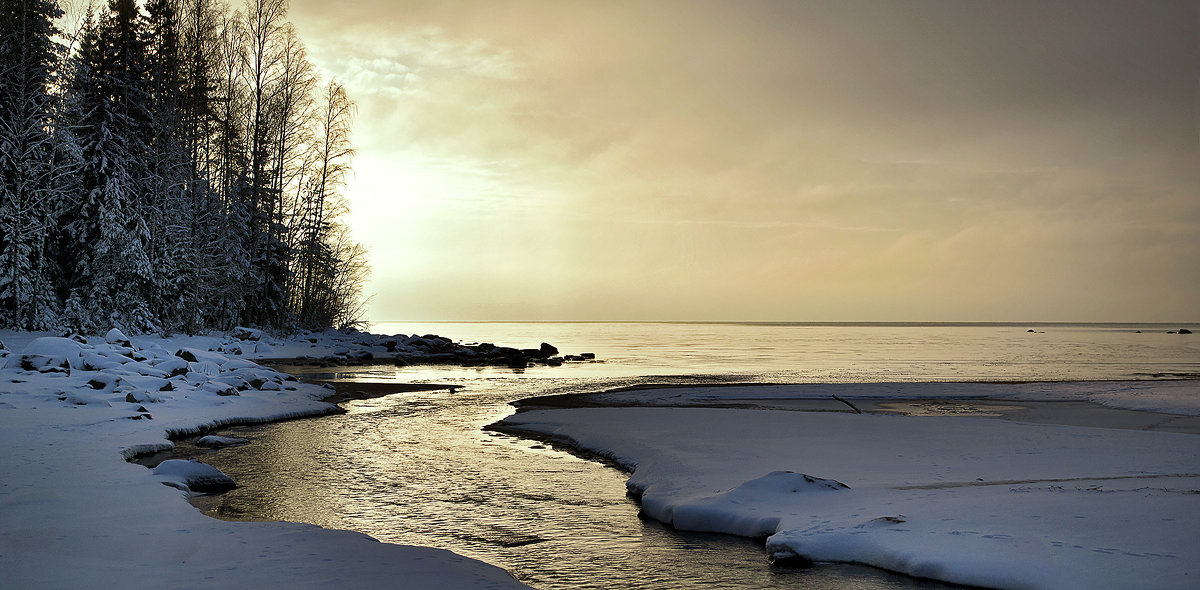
77,514
981,498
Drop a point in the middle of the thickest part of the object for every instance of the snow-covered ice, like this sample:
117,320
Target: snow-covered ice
74,513
971,500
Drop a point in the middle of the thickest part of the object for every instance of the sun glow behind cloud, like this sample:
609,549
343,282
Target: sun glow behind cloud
771,161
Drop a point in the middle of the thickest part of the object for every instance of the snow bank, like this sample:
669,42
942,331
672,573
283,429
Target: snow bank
970,500
76,515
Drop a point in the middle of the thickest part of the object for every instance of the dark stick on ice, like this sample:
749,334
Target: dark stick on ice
852,406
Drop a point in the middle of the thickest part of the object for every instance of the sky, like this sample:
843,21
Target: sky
754,160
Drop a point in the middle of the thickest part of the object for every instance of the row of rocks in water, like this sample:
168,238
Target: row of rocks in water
352,347
1179,331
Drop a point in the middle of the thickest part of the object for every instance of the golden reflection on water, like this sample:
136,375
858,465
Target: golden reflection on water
416,468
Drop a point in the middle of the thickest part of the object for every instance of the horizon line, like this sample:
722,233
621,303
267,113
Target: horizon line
810,322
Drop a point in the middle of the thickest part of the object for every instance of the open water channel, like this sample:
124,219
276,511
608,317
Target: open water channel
418,468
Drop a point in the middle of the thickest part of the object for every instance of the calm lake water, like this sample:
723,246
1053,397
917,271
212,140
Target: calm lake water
417,468
848,352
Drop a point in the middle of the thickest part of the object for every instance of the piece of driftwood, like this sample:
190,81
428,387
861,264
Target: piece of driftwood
852,406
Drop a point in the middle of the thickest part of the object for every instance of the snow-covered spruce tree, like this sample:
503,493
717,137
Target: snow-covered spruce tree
172,181
227,245
29,57
108,239
187,181
209,287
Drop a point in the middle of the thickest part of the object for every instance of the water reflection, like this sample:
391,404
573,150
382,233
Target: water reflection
416,468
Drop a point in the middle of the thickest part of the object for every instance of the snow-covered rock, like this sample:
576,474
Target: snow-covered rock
206,368
48,352
215,441
195,355
172,366
243,333
193,476
115,336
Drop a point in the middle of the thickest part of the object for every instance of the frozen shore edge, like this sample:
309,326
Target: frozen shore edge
742,488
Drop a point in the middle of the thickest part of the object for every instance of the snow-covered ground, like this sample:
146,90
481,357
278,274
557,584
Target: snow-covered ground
968,499
74,514
999,503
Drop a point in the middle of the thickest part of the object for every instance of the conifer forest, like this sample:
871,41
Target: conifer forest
171,166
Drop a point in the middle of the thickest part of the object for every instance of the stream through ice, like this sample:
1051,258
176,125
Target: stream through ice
416,468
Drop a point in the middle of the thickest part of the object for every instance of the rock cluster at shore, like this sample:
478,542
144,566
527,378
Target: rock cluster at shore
118,371
352,347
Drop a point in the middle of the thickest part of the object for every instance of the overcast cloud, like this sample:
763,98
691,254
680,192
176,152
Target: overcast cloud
694,160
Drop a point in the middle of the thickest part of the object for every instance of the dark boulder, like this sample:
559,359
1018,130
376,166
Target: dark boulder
1184,331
